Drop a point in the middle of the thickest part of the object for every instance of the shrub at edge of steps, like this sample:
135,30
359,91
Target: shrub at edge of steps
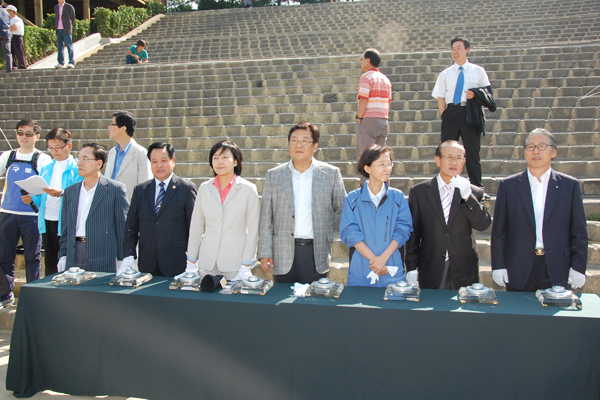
115,24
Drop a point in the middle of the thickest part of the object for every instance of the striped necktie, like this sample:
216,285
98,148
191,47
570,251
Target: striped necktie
460,83
161,196
446,202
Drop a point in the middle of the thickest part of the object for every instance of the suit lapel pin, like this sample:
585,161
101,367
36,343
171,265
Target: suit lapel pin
174,187
236,189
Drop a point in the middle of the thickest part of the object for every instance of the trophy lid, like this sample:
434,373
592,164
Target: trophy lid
324,283
478,289
402,287
558,292
253,281
189,278
130,273
73,272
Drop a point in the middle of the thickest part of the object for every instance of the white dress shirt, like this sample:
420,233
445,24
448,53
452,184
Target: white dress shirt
539,190
475,76
302,183
442,190
83,208
376,198
157,182
53,203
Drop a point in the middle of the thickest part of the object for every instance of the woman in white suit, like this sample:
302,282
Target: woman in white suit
224,228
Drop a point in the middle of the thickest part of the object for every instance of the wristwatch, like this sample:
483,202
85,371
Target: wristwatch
357,117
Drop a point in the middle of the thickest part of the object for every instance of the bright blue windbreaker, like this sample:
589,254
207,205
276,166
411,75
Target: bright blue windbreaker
361,221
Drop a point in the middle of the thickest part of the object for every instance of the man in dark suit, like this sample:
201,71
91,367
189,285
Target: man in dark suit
93,217
159,217
539,237
442,251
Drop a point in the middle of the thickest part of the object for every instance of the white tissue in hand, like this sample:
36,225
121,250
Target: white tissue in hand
300,289
373,277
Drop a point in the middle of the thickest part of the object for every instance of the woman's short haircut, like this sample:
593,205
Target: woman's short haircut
60,134
222,147
370,154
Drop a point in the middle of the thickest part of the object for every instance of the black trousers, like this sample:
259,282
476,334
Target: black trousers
538,278
454,126
303,267
51,242
18,52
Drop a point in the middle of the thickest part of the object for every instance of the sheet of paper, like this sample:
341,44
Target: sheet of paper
33,185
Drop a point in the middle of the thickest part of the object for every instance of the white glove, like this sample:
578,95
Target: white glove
576,279
125,264
62,264
412,277
300,289
463,184
244,272
191,266
500,276
392,270
373,277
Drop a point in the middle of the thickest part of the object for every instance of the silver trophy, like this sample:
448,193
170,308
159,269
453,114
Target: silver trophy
477,293
325,288
402,290
253,285
73,276
558,296
188,281
131,277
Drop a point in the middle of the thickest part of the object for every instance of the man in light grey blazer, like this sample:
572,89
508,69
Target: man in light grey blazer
127,161
93,217
302,203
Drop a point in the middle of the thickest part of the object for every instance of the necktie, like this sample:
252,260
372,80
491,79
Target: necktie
446,202
460,83
161,195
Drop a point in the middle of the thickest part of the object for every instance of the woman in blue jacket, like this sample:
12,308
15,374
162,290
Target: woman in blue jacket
375,223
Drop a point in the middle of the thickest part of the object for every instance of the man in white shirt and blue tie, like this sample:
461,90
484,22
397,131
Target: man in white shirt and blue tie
452,91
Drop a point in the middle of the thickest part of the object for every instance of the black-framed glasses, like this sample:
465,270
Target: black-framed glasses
454,158
28,134
540,147
51,149
304,142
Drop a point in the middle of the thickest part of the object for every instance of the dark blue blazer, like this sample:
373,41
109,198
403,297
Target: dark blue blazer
103,228
162,237
513,229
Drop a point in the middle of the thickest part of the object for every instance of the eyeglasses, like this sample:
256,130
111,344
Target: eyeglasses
304,142
86,159
386,166
28,134
51,149
540,147
452,159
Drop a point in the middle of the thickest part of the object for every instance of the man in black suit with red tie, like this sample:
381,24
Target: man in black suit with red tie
159,217
442,252
539,235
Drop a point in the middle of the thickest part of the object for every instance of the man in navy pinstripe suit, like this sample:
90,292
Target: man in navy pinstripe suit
93,217
160,224
539,231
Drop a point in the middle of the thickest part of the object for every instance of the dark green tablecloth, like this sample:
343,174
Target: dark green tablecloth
154,343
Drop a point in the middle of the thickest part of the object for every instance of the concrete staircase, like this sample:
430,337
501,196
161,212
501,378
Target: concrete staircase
248,75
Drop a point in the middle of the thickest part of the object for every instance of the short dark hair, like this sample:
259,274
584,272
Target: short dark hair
99,152
162,145
374,56
306,126
370,154
461,39
141,43
125,119
37,129
223,146
60,134
438,150
545,132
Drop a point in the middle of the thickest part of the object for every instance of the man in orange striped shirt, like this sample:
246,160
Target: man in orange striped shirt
374,97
